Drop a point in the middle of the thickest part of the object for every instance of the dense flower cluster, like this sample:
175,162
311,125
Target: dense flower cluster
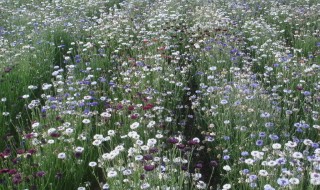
172,94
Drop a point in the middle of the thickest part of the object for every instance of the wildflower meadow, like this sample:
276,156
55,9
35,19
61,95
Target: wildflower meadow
159,94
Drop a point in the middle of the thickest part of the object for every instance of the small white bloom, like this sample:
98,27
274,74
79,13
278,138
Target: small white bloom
105,115
62,155
112,174
168,119
96,142
139,142
226,186
223,102
111,132
249,161
144,147
151,142
138,157
271,163
263,173
151,124
69,131
79,149
145,186
297,155
227,168
291,144
87,97
35,125
86,121
294,181
276,146
92,164
98,137
134,125
159,136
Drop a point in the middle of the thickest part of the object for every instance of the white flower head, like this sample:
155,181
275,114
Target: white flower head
92,164
62,155
86,121
276,146
134,125
227,168
112,174
226,186
96,142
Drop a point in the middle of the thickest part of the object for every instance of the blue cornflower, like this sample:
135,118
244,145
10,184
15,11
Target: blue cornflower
259,142
262,134
245,171
226,157
244,153
274,137
283,181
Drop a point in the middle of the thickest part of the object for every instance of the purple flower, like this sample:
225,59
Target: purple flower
259,142
213,163
40,174
245,171
13,171
78,154
192,142
274,137
244,153
148,157
262,134
299,130
172,140
315,145
181,146
253,178
306,93
283,182
17,178
226,157
2,171
153,150
199,165
149,167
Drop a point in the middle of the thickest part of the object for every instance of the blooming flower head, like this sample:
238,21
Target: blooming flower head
145,186
92,164
259,142
112,174
283,182
134,125
201,185
294,181
62,155
263,173
268,187
227,168
86,121
276,146
297,155
226,186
